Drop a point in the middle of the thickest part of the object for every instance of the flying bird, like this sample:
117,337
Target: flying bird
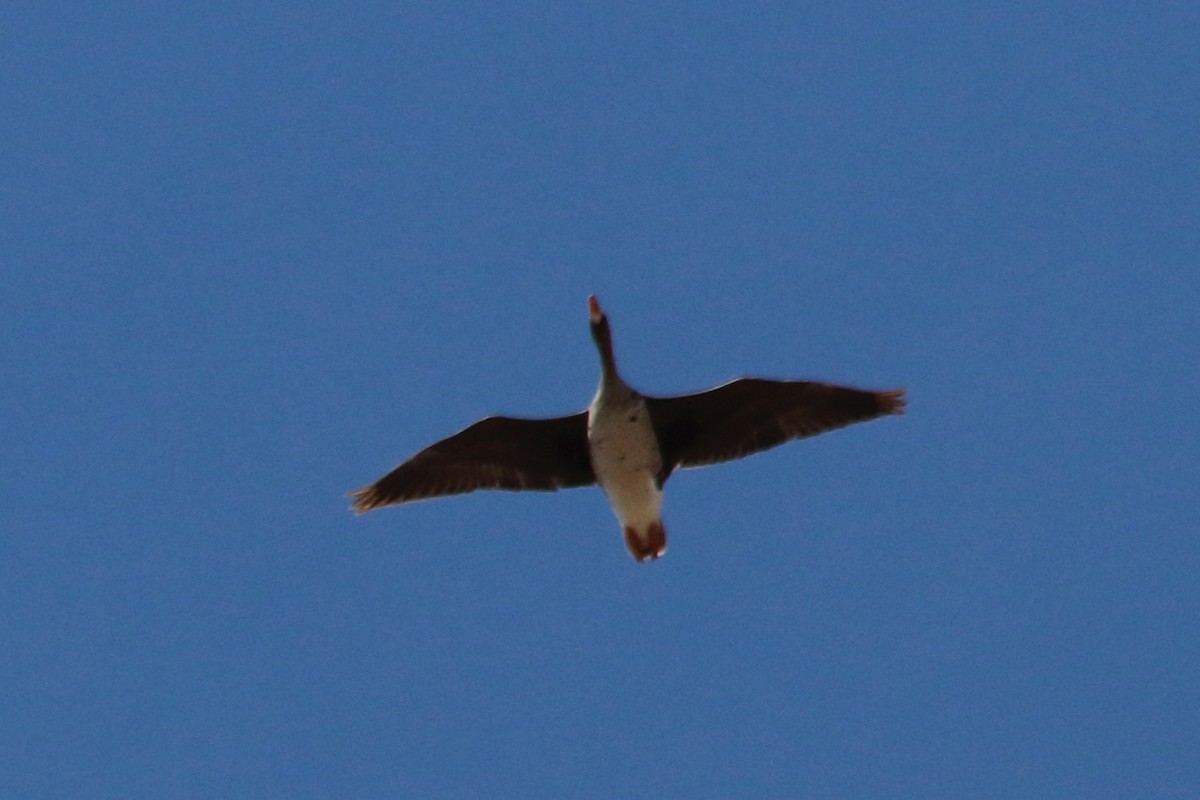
627,442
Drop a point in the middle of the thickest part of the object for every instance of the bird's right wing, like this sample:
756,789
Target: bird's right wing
494,453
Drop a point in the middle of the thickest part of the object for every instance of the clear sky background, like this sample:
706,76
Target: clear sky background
256,254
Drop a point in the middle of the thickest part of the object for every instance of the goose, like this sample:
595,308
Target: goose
627,442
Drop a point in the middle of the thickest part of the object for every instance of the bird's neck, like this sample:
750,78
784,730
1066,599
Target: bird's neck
609,376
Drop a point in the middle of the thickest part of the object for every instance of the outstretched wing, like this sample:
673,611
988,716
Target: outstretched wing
747,415
494,453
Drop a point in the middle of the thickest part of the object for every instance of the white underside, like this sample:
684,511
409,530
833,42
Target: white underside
625,458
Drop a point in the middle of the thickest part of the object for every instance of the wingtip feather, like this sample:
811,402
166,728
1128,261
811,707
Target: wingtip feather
364,499
893,401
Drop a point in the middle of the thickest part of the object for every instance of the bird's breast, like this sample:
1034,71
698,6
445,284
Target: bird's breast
626,458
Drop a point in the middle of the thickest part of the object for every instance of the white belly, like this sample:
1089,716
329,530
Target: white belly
626,460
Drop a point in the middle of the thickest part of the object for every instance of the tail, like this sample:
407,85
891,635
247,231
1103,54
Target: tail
648,543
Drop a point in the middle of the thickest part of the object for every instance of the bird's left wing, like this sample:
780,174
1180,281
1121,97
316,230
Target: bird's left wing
748,415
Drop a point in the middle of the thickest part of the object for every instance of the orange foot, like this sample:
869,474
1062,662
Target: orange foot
647,544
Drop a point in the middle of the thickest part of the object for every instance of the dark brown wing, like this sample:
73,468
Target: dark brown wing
494,453
747,415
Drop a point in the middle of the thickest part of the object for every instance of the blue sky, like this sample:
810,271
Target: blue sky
254,255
